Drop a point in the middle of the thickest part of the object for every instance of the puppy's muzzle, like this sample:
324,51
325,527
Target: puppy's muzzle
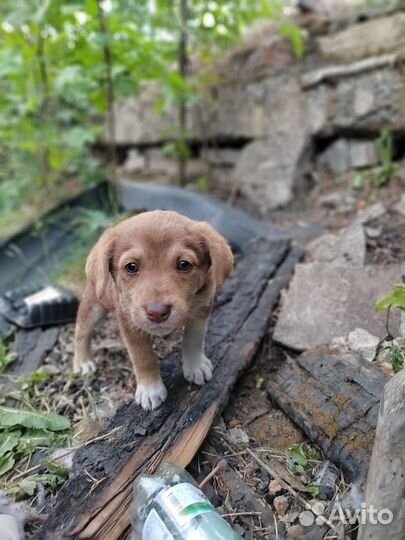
158,313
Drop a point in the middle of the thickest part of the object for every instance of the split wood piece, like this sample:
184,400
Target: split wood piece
334,400
386,477
96,500
242,497
31,348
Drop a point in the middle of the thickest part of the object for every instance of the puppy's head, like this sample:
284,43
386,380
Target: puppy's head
161,267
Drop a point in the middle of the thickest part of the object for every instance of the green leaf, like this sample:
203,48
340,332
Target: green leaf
396,298
397,358
43,374
297,454
32,439
27,486
56,468
8,441
6,463
313,490
30,419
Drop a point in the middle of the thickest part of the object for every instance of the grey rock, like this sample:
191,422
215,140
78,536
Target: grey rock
371,213
238,436
369,101
326,300
342,201
363,343
137,120
373,232
344,155
267,171
400,206
134,162
369,38
362,154
349,246
271,169
336,157
222,157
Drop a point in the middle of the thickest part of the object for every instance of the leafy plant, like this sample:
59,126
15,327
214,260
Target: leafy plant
22,432
10,417
300,456
64,64
394,298
384,147
6,358
397,358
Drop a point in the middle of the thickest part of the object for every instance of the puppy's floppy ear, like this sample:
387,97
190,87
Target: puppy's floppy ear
219,253
98,265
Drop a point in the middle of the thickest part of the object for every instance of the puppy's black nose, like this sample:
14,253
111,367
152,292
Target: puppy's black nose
158,313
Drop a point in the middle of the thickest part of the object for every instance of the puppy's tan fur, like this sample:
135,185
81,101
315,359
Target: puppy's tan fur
156,242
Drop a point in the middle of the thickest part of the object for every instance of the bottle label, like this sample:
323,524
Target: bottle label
183,502
155,529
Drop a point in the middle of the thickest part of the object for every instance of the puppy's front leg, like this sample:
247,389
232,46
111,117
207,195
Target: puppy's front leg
89,315
197,368
150,390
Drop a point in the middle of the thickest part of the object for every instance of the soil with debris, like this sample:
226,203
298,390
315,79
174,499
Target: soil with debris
386,239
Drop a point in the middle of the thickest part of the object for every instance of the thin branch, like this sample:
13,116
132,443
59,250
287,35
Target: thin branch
183,63
110,99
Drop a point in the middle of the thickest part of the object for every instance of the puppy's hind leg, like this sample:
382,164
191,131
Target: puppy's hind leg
89,315
197,368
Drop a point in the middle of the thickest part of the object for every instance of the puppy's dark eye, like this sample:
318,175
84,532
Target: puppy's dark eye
131,268
184,266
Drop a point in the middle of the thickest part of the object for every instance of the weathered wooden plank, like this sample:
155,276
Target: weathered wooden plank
241,497
176,430
334,400
386,477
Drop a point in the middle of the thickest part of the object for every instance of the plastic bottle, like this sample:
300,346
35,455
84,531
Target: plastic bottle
169,506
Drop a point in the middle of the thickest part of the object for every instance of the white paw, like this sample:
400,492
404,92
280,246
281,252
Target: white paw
150,396
84,368
198,370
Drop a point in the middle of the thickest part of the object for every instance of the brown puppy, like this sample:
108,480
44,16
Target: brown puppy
158,271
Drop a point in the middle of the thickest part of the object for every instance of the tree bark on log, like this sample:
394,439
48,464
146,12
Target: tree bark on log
95,502
386,477
334,400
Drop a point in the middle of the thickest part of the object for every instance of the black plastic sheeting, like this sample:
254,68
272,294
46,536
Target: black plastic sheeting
37,252
238,227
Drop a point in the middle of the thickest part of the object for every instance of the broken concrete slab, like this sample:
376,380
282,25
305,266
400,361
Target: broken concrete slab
272,168
345,155
268,170
327,300
368,102
346,247
369,38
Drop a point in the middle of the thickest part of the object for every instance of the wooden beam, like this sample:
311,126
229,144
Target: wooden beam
334,400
